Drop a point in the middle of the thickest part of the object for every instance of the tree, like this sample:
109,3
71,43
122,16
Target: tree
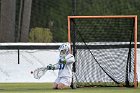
7,21
25,21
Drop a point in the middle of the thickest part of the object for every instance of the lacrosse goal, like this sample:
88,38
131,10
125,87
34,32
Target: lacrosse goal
105,50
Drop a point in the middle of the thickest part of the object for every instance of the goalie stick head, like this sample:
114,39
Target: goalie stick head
64,49
39,72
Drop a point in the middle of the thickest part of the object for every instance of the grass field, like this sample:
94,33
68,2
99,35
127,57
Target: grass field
46,88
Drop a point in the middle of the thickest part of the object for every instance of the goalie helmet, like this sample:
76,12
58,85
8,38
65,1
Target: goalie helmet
64,49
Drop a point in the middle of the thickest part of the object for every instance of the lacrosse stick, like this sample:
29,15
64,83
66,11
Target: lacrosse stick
39,72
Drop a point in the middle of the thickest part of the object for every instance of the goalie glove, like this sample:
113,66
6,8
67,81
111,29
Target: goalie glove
50,67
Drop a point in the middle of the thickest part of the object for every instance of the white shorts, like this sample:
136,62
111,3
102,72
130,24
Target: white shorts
65,80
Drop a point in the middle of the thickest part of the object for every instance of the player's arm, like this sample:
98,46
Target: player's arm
67,60
70,59
53,67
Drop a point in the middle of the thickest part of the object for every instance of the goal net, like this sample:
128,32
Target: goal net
105,50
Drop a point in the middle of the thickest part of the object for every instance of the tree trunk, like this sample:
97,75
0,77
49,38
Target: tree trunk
7,20
26,20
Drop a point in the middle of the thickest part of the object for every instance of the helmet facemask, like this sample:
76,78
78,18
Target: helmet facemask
64,50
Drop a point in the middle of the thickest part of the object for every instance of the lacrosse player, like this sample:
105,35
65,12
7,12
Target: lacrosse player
66,59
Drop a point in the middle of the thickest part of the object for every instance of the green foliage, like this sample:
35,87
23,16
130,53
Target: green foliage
42,35
52,14
109,7
45,12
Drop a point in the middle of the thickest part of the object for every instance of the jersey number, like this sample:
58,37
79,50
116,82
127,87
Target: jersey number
61,66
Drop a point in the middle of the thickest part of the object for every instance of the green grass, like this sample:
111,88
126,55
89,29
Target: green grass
47,88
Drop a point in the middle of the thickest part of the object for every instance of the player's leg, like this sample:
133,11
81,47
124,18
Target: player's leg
64,82
55,85
61,86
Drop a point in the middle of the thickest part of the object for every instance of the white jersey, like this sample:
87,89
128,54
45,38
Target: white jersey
65,70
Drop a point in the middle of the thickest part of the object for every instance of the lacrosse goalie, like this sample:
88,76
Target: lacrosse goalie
66,59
